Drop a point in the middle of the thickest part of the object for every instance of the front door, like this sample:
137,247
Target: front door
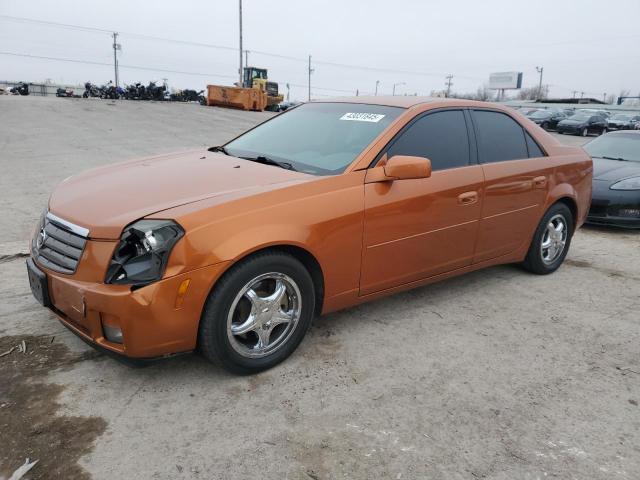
414,229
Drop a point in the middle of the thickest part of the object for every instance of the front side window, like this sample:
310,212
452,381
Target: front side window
499,137
441,137
316,138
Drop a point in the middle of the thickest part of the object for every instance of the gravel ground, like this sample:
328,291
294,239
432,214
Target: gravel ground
498,374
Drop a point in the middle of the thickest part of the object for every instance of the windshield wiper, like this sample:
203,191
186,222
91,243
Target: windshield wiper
220,148
614,158
269,161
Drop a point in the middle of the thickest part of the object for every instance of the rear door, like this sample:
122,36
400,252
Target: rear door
418,228
517,175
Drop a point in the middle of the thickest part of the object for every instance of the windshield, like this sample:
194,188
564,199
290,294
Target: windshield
625,146
316,138
580,116
540,114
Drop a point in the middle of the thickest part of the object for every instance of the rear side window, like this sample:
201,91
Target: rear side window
532,146
499,137
441,137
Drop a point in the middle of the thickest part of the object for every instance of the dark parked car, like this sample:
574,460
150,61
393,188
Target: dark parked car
547,119
283,106
583,124
623,121
616,179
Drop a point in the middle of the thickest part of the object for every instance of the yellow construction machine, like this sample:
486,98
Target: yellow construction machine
255,93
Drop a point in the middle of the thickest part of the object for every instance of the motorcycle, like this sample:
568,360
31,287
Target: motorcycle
188,95
110,91
64,92
91,90
20,89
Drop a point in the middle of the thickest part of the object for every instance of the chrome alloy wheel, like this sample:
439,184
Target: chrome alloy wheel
264,314
554,239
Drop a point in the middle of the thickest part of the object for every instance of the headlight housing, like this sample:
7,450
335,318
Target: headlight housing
142,254
632,183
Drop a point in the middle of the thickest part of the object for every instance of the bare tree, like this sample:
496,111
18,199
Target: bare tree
483,94
532,93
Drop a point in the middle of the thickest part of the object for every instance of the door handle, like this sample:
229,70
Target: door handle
467,198
540,182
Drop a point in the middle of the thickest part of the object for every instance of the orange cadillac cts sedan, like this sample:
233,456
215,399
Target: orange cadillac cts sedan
233,250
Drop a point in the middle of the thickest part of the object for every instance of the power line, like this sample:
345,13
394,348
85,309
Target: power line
388,70
132,67
152,69
234,49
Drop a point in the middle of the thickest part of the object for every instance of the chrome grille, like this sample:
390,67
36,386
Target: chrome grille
59,245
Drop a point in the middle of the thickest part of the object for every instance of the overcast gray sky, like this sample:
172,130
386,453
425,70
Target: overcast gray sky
584,45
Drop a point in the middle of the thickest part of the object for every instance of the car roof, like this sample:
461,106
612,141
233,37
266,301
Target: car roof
407,101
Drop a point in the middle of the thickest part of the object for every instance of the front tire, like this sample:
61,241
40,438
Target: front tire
585,132
551,241
257,313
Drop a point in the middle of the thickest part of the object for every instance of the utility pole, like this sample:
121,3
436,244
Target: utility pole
246,58
575,92
377,83
448,83
581,94
310,71
240,17
357,92
396,85
604,97
540,70
116,47
288,88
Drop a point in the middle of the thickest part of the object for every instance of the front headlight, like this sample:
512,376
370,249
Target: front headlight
142,254
632,183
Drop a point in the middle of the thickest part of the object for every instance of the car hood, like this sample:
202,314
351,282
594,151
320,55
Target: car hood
106,199
613,170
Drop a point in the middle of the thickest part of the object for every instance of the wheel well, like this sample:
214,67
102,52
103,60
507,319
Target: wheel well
308,260
571,204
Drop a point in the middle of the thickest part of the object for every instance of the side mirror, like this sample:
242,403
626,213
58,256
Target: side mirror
404,167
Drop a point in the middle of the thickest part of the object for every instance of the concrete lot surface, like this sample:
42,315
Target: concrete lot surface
498,374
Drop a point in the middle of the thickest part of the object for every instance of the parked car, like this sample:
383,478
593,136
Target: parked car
547,119
286,105
581,123
623,121
593,111
616,179
526,111
234,249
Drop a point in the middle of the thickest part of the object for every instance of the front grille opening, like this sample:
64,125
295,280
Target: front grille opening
57,248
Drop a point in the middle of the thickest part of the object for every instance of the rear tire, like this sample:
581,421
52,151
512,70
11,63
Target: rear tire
246,325
551,241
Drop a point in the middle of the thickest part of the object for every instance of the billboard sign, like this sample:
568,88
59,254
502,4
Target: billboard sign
505,81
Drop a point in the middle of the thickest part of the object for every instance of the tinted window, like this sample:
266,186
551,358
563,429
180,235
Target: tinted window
441,137
532,146
500,137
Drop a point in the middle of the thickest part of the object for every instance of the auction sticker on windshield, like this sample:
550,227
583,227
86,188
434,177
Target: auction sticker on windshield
362,117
